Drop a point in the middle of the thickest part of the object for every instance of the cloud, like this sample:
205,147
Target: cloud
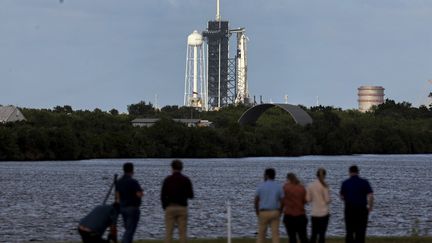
173,3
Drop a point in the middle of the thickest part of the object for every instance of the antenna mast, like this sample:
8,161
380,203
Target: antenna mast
218,17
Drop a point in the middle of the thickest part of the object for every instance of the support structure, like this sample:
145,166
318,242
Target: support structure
217,37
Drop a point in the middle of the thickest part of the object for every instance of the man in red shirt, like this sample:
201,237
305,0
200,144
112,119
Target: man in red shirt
176,190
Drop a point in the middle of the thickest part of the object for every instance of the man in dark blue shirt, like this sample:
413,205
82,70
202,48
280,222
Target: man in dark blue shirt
357,194
129,194
93,225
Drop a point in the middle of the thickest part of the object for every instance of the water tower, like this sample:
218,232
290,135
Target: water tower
369,96
195,94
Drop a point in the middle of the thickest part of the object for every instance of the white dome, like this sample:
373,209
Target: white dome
195,39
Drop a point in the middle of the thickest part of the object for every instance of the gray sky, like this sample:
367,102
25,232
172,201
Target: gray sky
111,53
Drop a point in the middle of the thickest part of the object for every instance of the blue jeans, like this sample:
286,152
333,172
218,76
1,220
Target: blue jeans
131,217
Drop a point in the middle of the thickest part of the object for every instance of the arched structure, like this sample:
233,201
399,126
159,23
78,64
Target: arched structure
298,114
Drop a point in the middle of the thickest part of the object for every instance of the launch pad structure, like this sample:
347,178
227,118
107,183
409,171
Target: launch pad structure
225,79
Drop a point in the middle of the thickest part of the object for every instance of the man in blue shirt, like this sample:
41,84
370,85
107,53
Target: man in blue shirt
129,194
268,206
357,194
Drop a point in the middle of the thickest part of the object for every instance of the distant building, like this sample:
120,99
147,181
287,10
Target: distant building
144,122
10,114
369,96
148,122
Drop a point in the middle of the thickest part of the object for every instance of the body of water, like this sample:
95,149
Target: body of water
45,200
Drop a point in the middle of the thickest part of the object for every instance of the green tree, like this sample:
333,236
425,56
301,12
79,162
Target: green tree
114,112
141,109
9,149
63,109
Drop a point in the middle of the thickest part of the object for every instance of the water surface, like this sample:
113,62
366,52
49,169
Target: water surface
45,200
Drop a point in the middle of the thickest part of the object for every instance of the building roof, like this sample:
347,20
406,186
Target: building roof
297,113
145,120
10,113
154,120
187,120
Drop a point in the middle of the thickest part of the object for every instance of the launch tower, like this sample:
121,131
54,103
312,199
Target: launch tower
226,77
220,84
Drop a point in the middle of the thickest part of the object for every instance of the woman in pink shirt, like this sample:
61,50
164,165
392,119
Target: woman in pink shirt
318,195
294,212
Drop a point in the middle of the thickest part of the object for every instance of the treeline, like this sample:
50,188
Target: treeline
62,133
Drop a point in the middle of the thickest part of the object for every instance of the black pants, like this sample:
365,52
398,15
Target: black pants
91,237
319,228
296,225
356,219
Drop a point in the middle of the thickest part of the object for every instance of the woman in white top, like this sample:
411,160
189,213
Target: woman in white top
318,195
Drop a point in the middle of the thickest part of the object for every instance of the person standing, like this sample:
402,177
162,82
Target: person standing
318,195
176,190
268,206
357,194
294,211
129,194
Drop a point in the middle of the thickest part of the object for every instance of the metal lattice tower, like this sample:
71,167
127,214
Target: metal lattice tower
217,36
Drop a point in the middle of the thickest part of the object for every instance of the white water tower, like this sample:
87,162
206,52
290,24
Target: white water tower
195,86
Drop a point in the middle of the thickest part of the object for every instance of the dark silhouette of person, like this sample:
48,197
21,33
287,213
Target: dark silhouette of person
93,225
318,194
294,201
357,195
129,194
176,190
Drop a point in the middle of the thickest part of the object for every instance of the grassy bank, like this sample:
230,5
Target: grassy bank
283,240
330,240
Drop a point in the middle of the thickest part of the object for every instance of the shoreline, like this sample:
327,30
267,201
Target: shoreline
243,157
372,239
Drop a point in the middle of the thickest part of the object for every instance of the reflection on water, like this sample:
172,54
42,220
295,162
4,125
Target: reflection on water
45,200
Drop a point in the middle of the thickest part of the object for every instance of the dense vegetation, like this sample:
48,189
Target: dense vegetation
62,133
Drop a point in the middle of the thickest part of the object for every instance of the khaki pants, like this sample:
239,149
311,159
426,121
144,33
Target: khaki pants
264,219
175,215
